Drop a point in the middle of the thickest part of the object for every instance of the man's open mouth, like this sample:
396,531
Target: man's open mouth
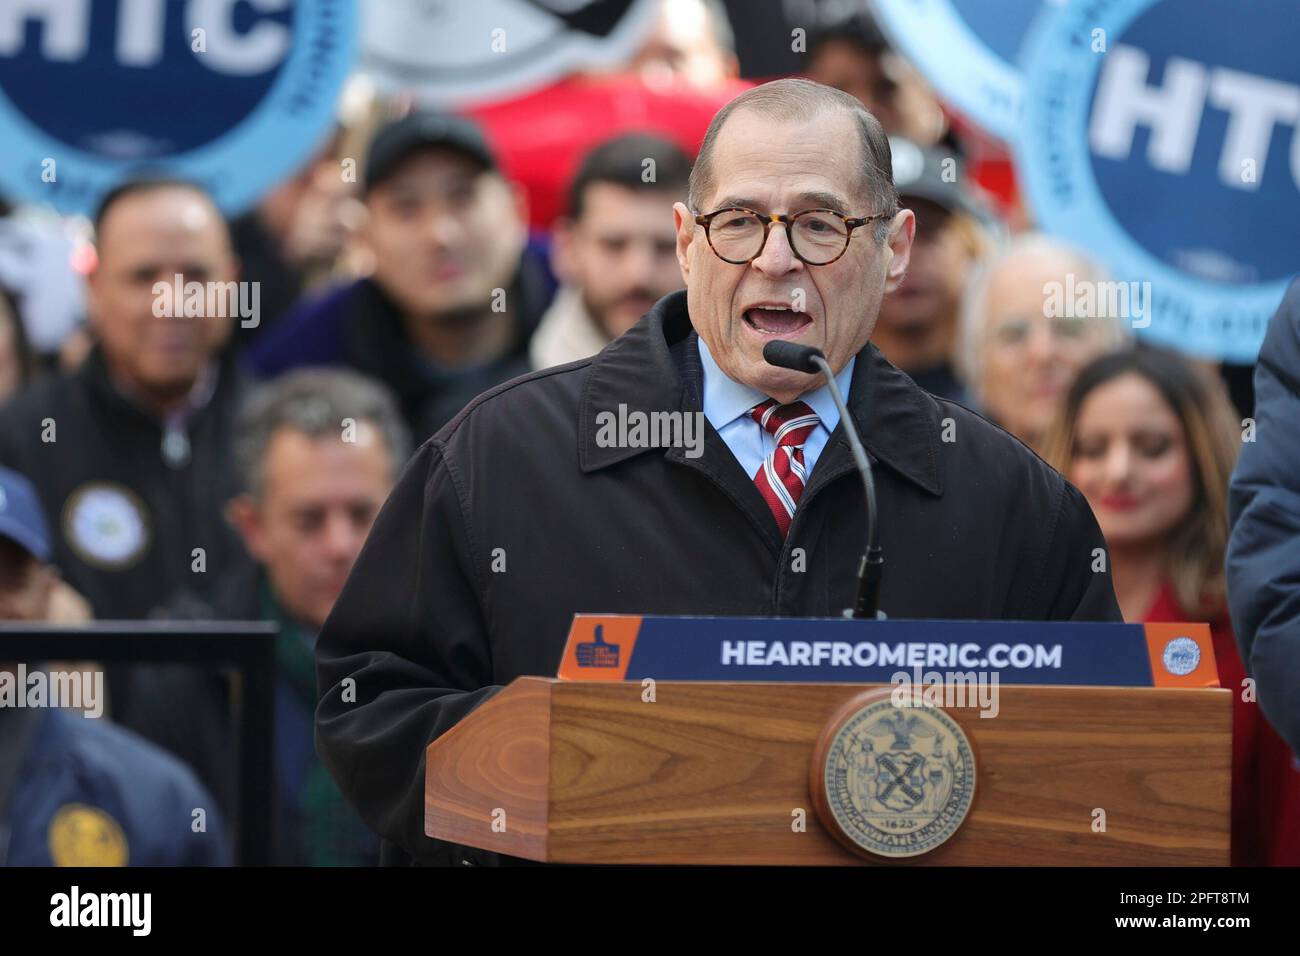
776,321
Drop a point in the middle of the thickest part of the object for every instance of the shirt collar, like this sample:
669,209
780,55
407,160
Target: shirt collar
205,386
725,400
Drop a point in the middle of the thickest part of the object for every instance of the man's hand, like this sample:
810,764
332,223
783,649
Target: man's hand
67,606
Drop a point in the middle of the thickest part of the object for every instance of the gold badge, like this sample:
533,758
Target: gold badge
86,836
892,781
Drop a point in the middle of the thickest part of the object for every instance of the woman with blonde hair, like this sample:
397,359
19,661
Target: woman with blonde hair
1026,330
1151,441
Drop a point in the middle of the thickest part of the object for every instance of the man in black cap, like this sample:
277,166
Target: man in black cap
918,320
454,295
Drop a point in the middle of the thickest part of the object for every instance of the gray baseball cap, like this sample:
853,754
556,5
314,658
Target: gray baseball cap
928,172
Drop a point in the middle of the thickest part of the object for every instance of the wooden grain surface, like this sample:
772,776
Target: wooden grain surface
493,768
718,773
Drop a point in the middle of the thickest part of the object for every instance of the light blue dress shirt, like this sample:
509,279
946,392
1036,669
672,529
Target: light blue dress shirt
727,404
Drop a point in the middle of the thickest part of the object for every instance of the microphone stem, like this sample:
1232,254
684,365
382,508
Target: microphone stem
871,567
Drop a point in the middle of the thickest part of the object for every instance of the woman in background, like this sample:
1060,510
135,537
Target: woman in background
1024,333
1151,440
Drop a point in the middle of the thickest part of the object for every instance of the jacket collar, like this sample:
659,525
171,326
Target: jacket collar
648,369
567,332
377,342
95,376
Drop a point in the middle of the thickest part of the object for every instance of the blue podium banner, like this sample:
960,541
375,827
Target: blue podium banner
627,647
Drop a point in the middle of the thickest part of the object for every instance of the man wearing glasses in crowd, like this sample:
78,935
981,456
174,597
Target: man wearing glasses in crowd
522,511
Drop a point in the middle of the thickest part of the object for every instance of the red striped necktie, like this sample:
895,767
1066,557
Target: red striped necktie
780,478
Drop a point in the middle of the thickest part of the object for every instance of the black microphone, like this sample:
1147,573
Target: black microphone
806,358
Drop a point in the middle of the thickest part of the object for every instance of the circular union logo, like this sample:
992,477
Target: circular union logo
1181,656
106,525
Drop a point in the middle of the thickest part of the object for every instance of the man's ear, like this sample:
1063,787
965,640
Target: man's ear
684,222
519,200
361,230
94,295
902,231
562,254
242,512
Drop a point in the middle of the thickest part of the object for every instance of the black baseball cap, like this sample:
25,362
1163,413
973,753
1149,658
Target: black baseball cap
422,129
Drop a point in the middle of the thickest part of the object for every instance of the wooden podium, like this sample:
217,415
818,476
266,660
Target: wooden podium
711,772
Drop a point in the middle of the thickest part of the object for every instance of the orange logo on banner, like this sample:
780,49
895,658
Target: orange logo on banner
599,646
1182,655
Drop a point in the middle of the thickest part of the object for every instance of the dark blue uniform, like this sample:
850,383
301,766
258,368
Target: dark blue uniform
84,792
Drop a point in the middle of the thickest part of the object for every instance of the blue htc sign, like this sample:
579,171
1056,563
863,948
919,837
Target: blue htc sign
232,93
969,50
1164,135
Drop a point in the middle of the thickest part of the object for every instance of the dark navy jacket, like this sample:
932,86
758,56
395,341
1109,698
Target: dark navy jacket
87,792
359,327
125,521
1263,563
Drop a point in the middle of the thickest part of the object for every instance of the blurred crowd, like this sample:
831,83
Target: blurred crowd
192,469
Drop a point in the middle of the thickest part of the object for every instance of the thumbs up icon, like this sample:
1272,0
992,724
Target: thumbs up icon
597,653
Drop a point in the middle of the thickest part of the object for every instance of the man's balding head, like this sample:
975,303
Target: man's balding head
149,232
789,147
784,101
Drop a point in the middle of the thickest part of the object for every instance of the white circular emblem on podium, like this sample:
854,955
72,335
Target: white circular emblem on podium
1181,656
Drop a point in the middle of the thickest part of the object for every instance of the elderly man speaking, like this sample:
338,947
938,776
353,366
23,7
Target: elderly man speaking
530,506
